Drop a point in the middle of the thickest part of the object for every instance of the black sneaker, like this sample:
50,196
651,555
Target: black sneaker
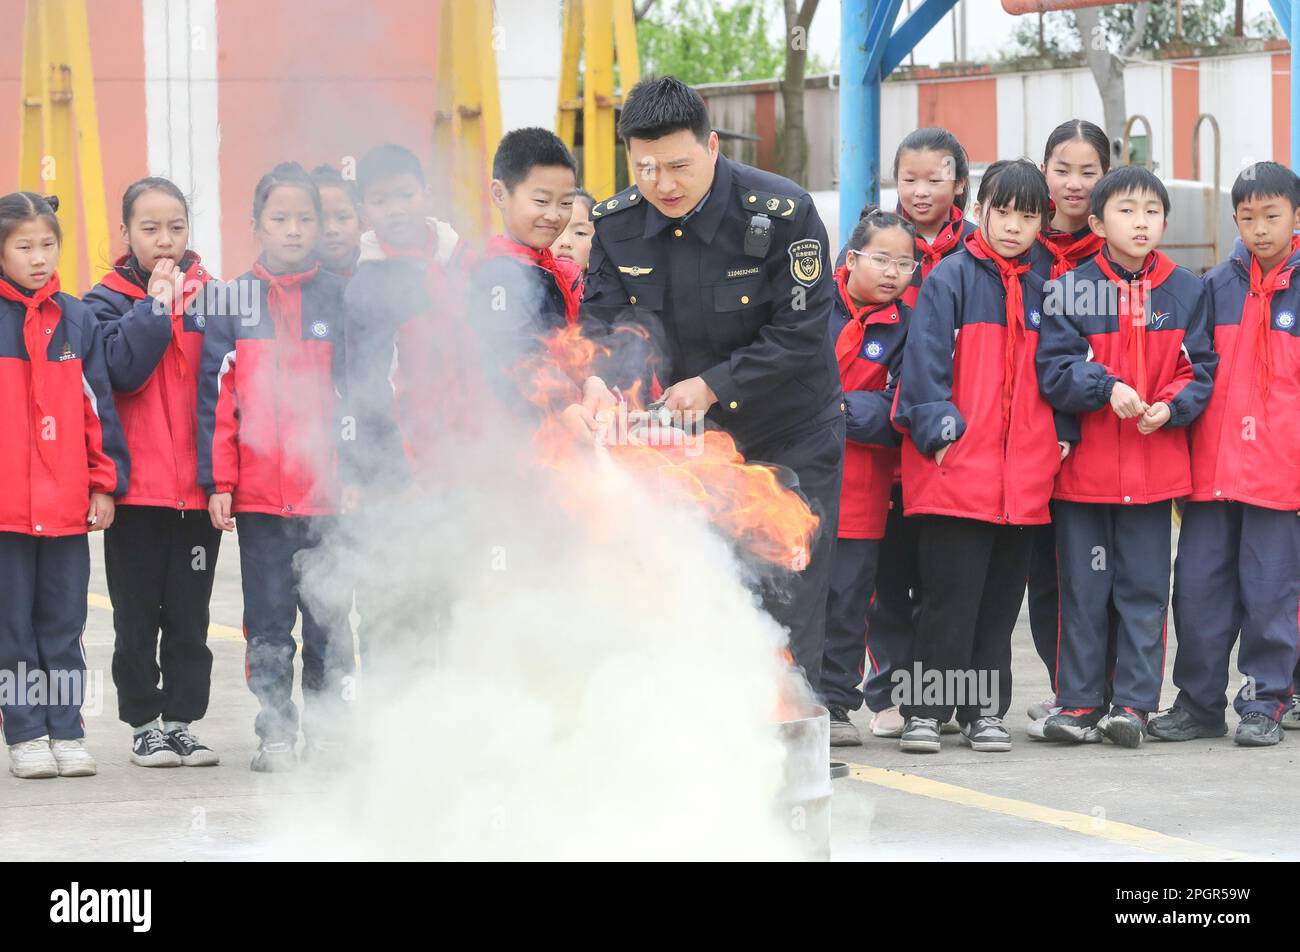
1258,730
1124,726
1178,724
1075,724
920,736
986,734
151,749
192,751
274,757
843,733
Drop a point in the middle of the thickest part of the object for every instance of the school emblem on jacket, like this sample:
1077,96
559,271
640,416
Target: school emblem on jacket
66,353
1286,320
806,261
875,349
1158,318
200,321
1036,318
320,328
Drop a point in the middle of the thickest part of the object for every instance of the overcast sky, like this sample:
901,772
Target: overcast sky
988,26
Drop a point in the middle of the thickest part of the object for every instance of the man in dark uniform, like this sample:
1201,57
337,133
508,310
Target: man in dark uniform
728,264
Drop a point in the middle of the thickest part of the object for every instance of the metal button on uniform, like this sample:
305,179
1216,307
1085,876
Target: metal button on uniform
1218,492
752,199
733,404
180,503
48,330
677,232
632,299
842,408
37,528
1128,498
744,299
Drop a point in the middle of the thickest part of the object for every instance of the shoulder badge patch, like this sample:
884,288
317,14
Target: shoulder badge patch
806,261
777,206
624,199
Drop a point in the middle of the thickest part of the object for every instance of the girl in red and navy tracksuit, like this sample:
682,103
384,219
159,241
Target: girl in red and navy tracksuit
1238,568
160,557
979,464
268,419
933,176
62,460
869,325
1077,155
1125,347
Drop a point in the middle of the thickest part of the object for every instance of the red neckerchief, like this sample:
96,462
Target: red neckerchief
1010,272
572,277
284,296
126,278
932,252
544,259
41,317
1133,314
1259,309
1069,249
849,344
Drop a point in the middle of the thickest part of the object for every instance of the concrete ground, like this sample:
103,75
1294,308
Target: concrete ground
1201,800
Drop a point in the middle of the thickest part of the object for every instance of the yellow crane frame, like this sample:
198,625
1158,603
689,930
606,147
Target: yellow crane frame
595,31
58,141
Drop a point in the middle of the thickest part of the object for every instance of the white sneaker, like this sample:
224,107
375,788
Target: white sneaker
33,760
887,723
73,758
1044,708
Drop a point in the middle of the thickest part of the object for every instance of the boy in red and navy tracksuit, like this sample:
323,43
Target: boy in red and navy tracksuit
869,325
62,459
160,556
269,424
1125,346
1238,568
978,466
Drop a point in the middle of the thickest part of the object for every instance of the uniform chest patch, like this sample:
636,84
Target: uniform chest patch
1285,320
806,261
66,353
874,349
1035,318
200,321
320,328
1158,318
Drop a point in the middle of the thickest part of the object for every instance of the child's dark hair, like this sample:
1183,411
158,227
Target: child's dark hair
152,183
1126,180
522,150
1266,180
327,176
387,161
19,207
584,196
875,219
1016,183
657,107
1083,131
935,139
289,174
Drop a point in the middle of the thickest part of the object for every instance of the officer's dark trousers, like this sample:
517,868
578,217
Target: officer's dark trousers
1237,574
891,623
1112,555
43,585
853,576
817,457
275,553
973,577
160,564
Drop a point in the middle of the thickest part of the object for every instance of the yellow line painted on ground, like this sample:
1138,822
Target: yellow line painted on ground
214,630
1123,833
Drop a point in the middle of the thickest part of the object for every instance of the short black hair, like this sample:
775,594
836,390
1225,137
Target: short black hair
1265,180
874,219
1126,180
288,174
1017,184
584,196
657,107
387,161
522,150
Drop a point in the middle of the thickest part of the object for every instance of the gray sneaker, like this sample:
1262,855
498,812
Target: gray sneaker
1178,724
274,757
843,733
920,736
986,735
1291,719
1256,730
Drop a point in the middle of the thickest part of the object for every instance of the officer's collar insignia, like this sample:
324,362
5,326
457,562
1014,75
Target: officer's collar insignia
806,261
782,206
635,270
619,201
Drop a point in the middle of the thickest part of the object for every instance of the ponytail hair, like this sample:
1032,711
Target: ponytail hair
19,207
935,139
875,219
1080,130
289,174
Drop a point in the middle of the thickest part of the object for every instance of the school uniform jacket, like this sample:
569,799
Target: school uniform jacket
951,391
1246,445
153,363
51,462
269,421
869,348
1084,353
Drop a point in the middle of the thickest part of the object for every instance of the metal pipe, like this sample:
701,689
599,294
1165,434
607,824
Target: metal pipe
859,116
1212,207
1128,130
1295,89
1051,6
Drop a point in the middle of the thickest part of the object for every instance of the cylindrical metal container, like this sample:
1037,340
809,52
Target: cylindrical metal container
804,803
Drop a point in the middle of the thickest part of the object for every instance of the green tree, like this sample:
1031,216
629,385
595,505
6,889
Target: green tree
699,41
1204,23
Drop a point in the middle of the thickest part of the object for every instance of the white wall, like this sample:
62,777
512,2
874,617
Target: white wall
528,61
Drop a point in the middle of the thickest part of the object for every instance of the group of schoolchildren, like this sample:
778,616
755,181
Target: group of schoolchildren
1034,392
165,406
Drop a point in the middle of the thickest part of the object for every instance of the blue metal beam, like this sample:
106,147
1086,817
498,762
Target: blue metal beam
1293,21
912,30
879,34
859,116
1282,10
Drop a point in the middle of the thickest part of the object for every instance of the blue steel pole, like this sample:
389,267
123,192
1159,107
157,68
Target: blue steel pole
1295,86
859,116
